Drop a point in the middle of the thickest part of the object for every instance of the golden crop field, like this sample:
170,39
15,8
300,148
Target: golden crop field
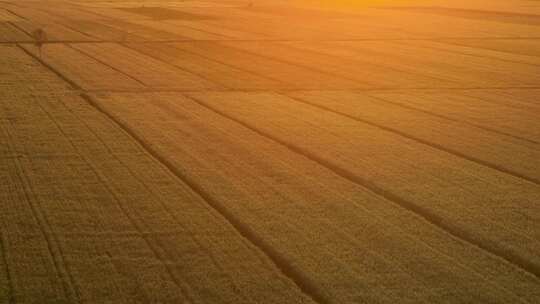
269,151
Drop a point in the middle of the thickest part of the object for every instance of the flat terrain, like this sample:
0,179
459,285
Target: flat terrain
270,151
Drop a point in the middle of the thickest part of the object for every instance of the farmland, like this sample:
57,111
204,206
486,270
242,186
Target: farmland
270,151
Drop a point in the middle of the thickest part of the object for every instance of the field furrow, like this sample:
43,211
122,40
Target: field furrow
310,218
441,187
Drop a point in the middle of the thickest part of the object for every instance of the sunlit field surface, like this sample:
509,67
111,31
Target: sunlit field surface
269,151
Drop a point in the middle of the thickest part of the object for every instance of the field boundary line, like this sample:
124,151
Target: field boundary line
293,90
424,213
419,140
142,41
301,281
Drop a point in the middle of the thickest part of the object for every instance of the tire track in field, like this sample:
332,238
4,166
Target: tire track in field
354,60
49,67
300,65
3,250
382,99
474,14
517,103
144,236
66,25
20,29
76,86
106,64
422,212
306,72
302,281
298,278
12,12
331,73
169,108
160,200
222,62
175,66
78,31
459,42
57,17
227,37
45,229
420,140
476,55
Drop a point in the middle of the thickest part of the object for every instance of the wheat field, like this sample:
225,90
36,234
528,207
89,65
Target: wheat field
269,151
